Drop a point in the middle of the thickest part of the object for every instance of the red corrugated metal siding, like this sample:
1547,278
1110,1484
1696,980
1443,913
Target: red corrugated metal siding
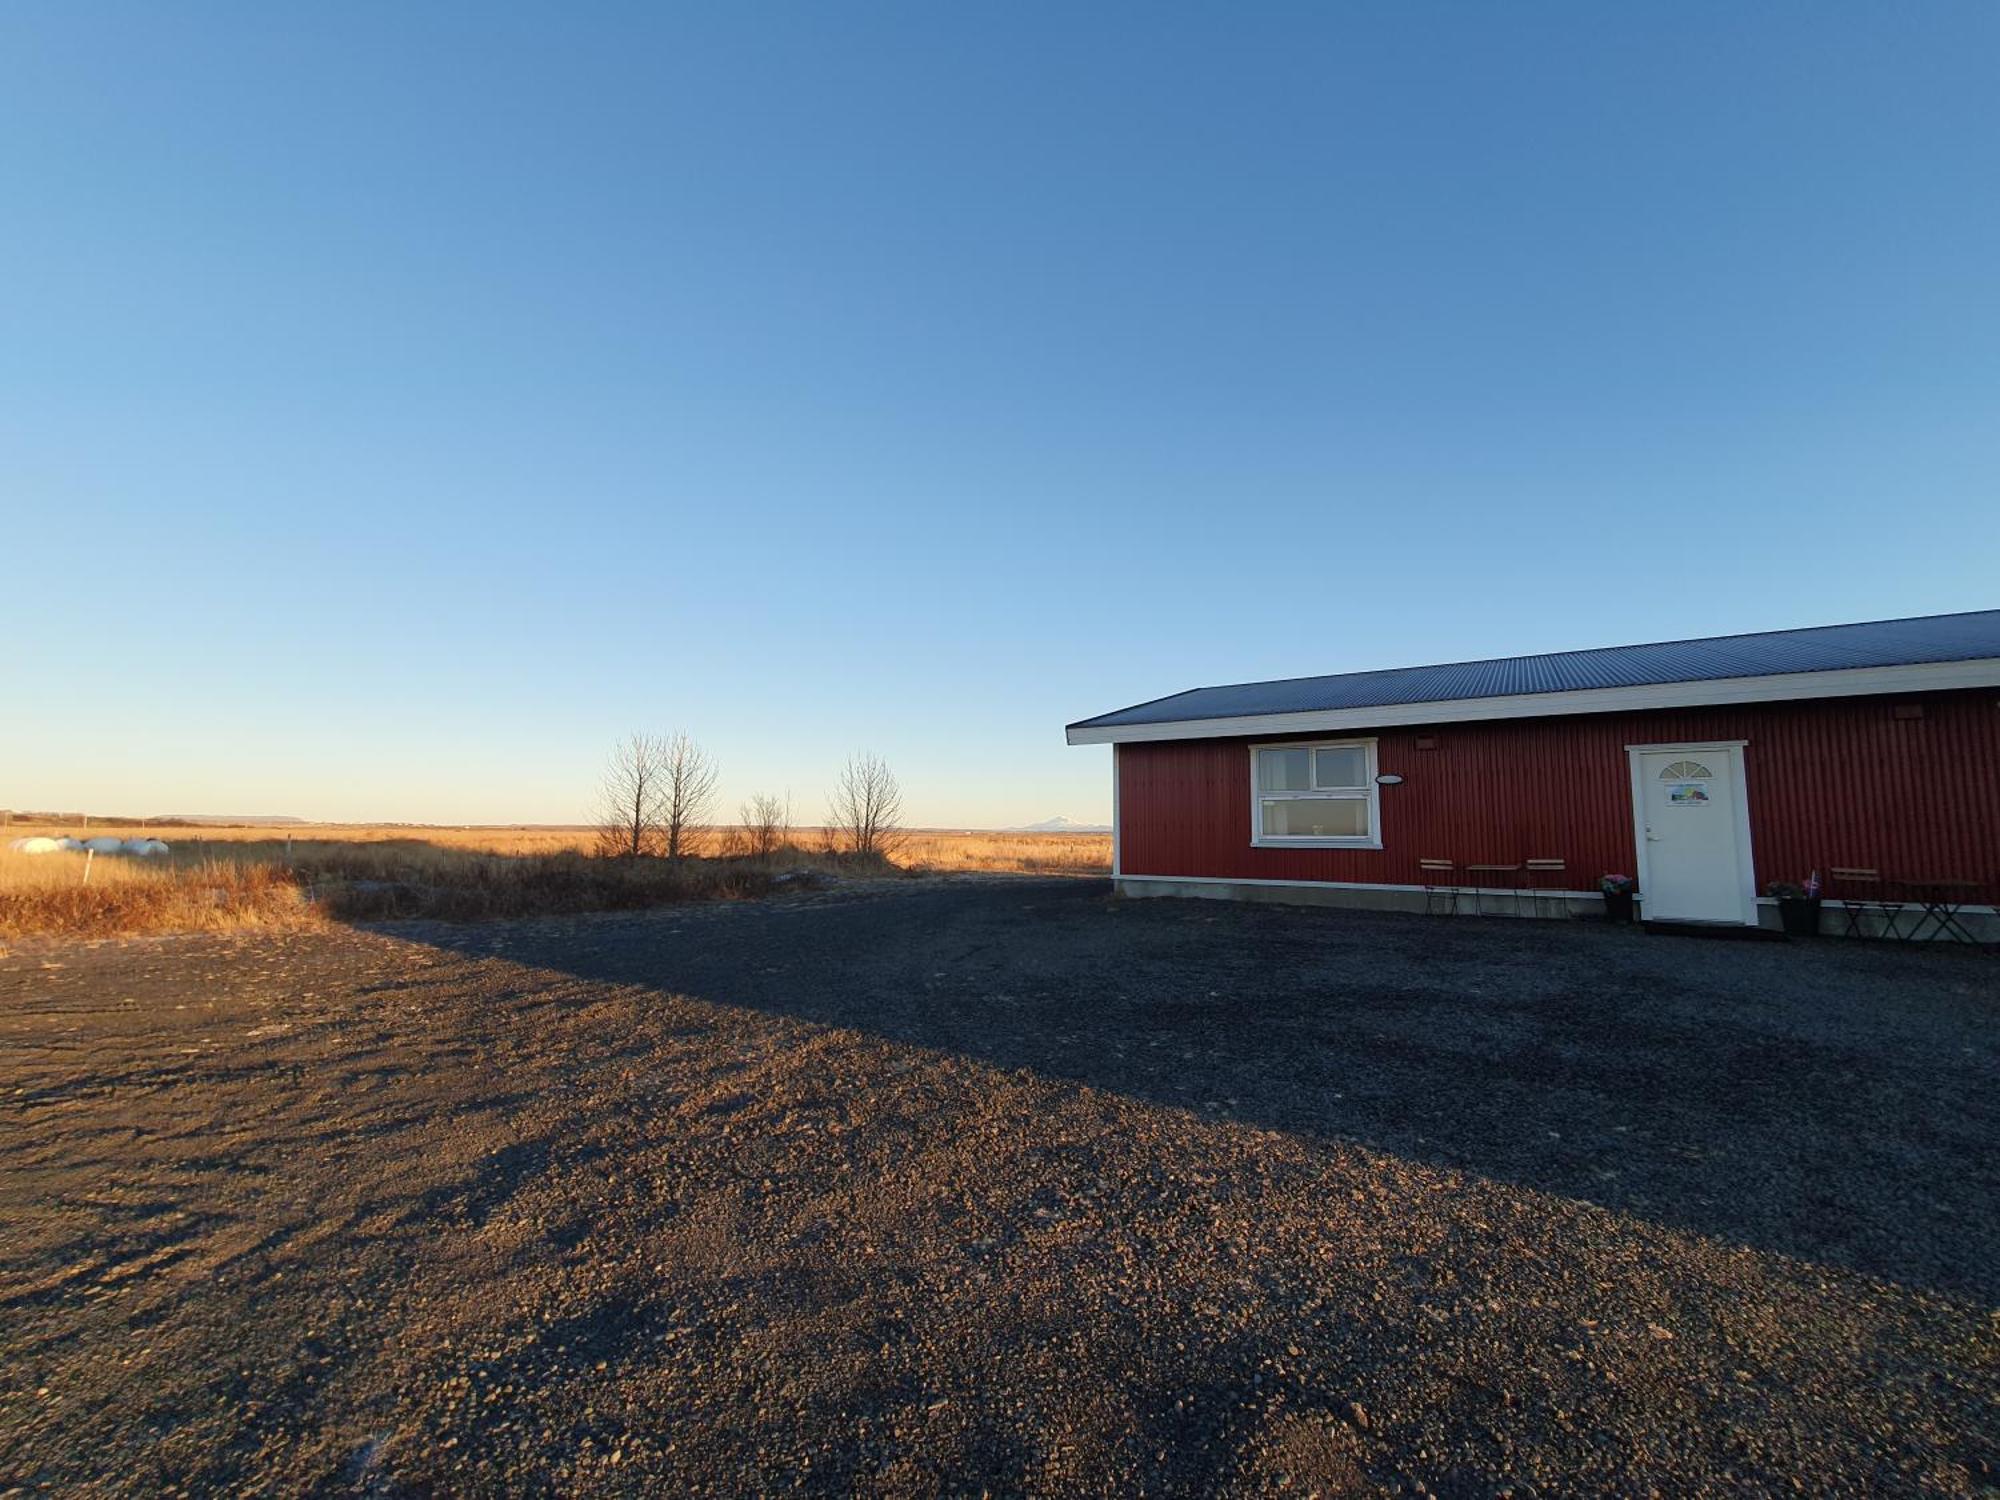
1835,781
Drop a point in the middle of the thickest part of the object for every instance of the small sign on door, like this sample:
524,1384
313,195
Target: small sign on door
1688,794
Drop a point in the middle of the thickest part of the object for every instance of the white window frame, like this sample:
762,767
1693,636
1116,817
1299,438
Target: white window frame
1372,795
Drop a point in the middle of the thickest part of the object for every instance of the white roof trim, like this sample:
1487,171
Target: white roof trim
1846,682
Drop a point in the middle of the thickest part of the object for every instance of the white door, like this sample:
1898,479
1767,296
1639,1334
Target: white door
1691,820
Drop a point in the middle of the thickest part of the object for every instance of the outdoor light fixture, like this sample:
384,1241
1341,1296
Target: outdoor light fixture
1388,780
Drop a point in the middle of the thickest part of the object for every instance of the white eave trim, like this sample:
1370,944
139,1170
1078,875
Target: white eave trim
1847,682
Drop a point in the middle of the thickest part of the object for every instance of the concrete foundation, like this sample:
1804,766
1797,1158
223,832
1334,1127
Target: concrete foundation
1982,921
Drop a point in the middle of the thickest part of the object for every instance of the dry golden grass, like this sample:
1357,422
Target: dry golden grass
1006,853
64,893
237,884
221,879
941,850
498,839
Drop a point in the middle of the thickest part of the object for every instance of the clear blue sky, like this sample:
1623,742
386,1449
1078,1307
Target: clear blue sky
398,403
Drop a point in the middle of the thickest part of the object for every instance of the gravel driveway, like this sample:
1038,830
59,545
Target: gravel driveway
998,1186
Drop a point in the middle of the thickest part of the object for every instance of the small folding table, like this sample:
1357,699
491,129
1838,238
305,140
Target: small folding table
1942,900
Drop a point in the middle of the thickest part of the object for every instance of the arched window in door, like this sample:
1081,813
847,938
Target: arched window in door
1687,770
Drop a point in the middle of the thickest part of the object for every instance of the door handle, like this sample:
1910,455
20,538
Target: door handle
1652,837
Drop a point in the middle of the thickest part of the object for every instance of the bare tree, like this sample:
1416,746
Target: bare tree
687,795
767,824
866,805
631,800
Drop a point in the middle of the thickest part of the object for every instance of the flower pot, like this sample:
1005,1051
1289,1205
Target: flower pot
1799,915
1618,906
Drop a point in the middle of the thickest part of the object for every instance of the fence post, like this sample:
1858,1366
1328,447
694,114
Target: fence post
88,856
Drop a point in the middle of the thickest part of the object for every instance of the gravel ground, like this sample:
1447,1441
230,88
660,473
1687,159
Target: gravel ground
998,1186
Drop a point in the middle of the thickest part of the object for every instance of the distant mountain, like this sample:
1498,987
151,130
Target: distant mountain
219,819
1062,825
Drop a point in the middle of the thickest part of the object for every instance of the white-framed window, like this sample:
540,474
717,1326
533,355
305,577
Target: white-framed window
1320,795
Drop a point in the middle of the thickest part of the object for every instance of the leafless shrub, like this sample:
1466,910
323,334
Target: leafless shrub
687,794
632,802
866,806
766,825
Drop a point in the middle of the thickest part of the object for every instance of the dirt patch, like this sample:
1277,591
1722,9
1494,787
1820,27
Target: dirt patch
995,1187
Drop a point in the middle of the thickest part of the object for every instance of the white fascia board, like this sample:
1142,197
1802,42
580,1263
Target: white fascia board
1847,682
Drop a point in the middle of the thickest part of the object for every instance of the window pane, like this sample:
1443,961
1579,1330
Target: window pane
1346,766
1317,817
1284,770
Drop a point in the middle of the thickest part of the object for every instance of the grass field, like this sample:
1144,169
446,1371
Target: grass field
247,877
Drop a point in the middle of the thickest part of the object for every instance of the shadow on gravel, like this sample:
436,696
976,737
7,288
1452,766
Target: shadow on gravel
1826,1101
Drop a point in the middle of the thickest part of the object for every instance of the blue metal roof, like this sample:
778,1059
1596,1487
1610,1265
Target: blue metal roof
1825,648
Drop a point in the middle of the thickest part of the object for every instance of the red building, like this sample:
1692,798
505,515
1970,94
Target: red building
1709,769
